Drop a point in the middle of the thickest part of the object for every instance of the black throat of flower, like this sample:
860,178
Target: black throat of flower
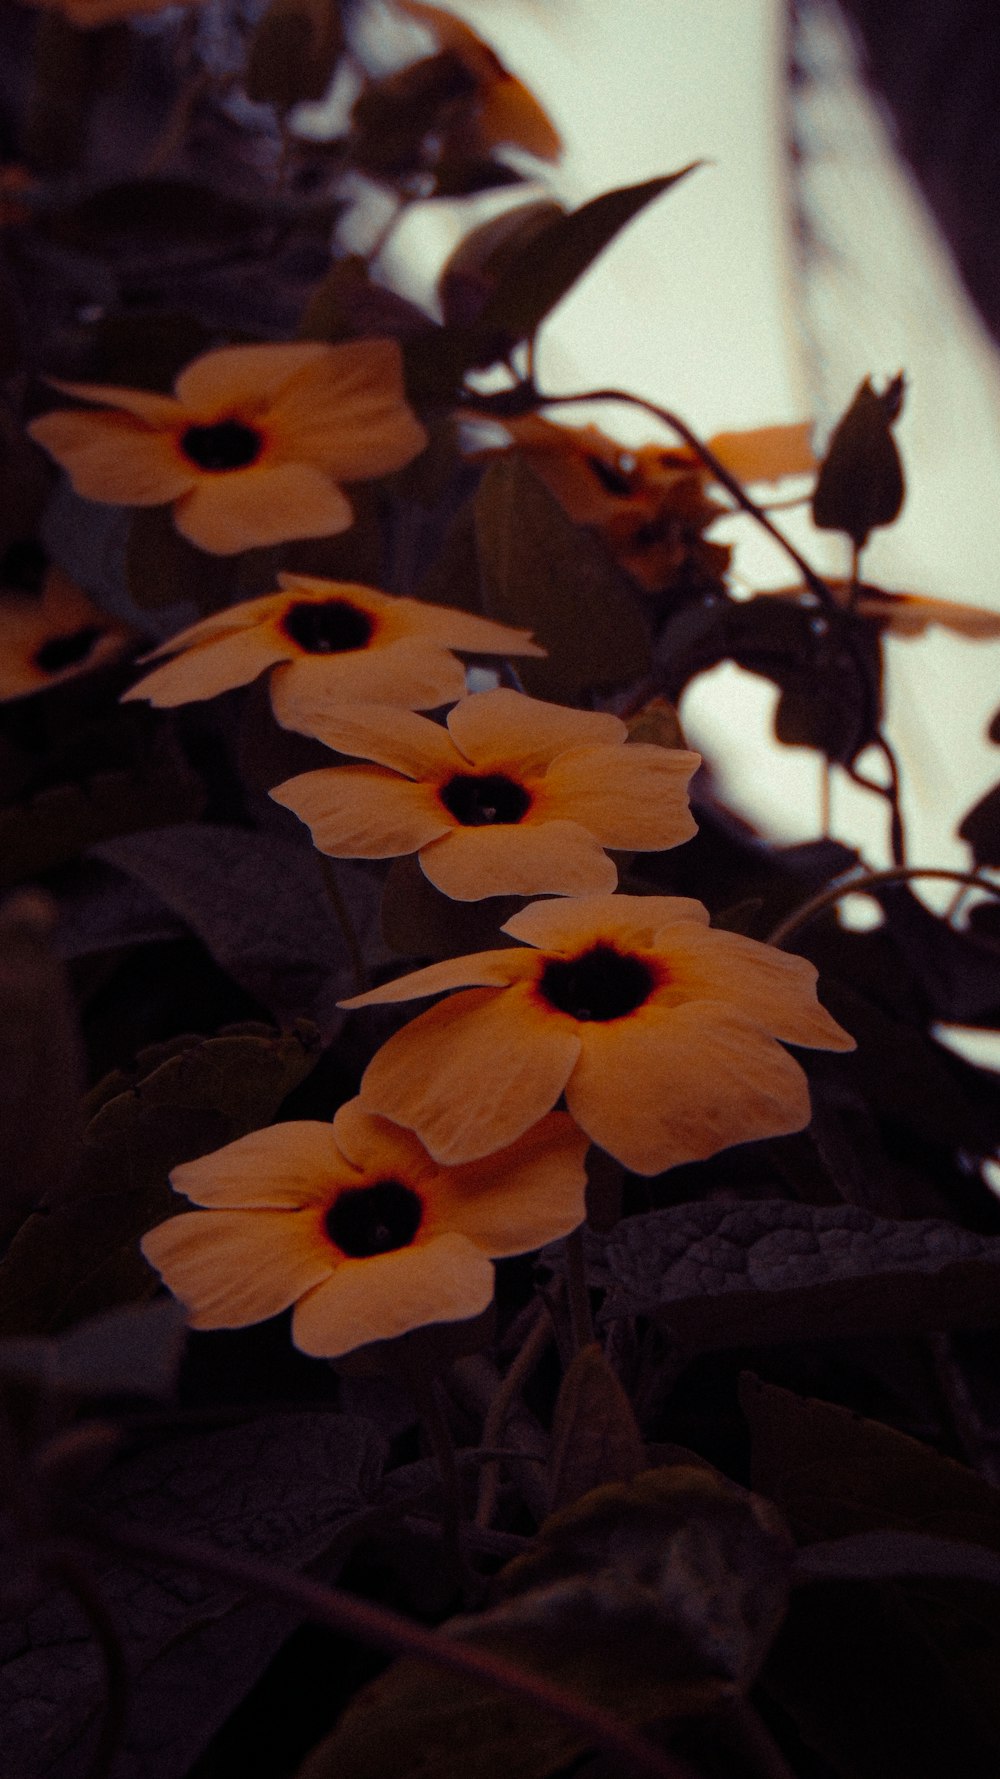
484,801
328,626
377,1219
225,445
601,984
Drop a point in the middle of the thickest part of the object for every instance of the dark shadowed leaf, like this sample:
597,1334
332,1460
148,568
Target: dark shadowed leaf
294,51
655,1598
928,1650
82,1256
981,828
260,906
540,570
537,278
595,1436
418,921
41,1068
472,272
860,484
720,1275
58,824
285,1487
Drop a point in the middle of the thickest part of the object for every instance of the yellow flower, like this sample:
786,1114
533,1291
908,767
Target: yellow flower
328,641
354,1224
514,797
251,447
54,637
661,1033
650,505
903,614
501,109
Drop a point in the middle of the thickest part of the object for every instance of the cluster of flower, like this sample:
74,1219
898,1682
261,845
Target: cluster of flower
666,1037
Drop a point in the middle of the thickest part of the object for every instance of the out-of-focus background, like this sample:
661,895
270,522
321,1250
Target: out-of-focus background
802,257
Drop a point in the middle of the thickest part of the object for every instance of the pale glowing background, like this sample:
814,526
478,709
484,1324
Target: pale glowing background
700,304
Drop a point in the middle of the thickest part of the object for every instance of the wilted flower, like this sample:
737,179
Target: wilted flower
663,1035
651,505
356,1225
328,642
251,448
55,636
503,109
514,797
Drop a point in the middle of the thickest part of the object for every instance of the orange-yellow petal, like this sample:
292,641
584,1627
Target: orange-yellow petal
380,1148
245,377
447,1280
390,736
464,630
675,1085
348,412
235,510
557,858
630,797
231,660
244,616
776,989
410,672
473,1073
231,1268
110,457
508,728
477,969
766,453
626,920
160,411
510,113
286,1166
520,1197
364,812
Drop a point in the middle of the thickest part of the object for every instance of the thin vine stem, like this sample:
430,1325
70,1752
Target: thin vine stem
720,473
866,880
868,723
580,1319
378,1625
519,1371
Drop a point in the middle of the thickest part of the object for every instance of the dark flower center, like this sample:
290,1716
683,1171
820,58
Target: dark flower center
602,984
67,651
482,802
23,565
612,480
366,1220
228,444
332,627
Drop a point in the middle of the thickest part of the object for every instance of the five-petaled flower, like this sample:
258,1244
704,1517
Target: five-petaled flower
53,636
328,642
662,1033
356,1225
514,797
251,447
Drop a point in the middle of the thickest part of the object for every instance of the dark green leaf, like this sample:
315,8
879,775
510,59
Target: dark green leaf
860,484
595,1436
542,571
981,828
134,1351
770,1270
653,1599
82,1256
929,1651
540,276
288,1486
